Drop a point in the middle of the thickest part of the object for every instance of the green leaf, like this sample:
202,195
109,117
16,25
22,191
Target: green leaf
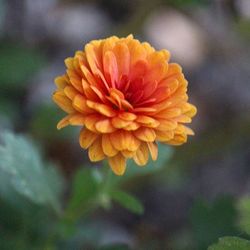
127,201
231,243
20,161
211,221
17,64
244,211
85,188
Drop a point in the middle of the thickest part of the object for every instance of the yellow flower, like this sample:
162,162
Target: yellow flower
127,97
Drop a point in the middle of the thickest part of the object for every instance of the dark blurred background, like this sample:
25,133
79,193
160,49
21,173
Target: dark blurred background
193,201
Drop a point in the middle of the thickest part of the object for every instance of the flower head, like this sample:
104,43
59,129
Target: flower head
127,97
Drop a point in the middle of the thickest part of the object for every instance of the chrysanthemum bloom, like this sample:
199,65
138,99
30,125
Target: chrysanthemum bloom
127,97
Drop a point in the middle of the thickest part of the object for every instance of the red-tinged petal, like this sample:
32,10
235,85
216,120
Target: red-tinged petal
153,149
144,110
63,102
105,126
117,164
95,151
110,68
101,108
141,155
122,54
87,138
89,92
145,134
107,146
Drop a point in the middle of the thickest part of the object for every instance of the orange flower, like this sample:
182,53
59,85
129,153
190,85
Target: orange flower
127,97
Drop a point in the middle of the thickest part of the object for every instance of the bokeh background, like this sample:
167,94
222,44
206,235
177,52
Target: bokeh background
194,198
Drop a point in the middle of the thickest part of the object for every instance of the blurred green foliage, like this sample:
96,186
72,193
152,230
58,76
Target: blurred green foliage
211,221
231,243
17,64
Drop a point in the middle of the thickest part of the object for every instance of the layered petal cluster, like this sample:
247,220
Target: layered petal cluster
127,97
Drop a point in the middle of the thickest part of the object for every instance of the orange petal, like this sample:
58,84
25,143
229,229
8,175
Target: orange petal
77,120
168,113
164,135
124,140
91,120
63,101
119,123
104,126
70,92
132,126
101,108
127,116
141,156
128,153
87,138
95,151
153,149
166,125
178,139
63,122
145,134
117,164
189,109
80,104
107,146
61,82
147,121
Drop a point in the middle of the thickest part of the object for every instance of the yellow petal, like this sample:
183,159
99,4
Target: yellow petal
132,126
104,126
87,138
95,151
141,156
63,102
107,147
153,149
145,134
117,164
